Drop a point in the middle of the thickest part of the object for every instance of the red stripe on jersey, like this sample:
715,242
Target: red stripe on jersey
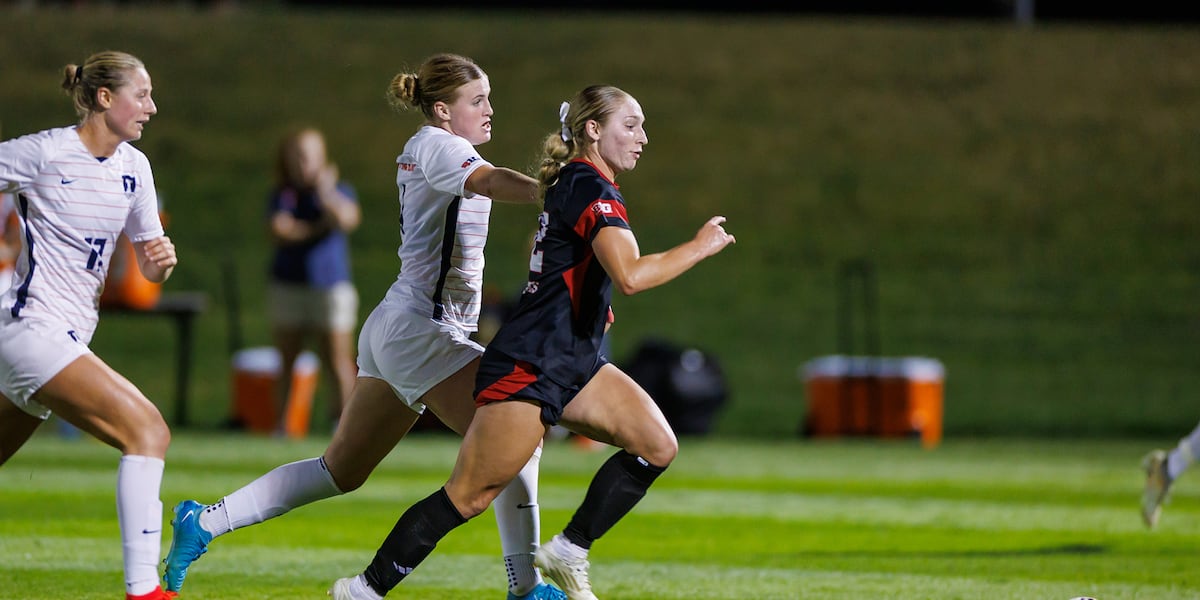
573,278
600,210
504,388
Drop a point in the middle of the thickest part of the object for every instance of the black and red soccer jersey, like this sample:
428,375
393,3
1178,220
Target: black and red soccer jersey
558,324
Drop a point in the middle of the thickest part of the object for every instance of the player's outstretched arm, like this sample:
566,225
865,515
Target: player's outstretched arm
503,185
617,250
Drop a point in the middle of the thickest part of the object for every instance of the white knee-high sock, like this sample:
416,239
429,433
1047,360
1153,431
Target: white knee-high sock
284,488
1183,454
139,514
519,521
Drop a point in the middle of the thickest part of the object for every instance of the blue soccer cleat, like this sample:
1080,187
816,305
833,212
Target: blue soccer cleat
188,542
543,591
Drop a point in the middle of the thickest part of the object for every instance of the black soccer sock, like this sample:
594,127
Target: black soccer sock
619,484
415,535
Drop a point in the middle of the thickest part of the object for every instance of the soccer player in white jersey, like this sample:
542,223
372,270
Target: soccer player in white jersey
414,349
78,188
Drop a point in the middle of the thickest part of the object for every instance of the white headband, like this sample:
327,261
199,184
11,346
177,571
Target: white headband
562,118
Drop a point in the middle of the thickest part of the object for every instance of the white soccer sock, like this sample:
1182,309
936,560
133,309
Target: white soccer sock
139,515
284,488
518,520
1183,454
215,519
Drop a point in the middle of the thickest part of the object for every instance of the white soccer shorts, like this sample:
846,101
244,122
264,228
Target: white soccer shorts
411,352
32,352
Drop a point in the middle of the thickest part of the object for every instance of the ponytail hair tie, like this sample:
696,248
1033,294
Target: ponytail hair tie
562,118
78,74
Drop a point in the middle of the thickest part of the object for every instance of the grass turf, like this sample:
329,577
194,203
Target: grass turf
1014,519
1027,194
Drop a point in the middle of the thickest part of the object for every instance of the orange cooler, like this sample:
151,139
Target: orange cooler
885,397
125,286
256,372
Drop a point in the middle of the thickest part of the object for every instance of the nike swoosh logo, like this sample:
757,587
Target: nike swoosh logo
66,181
147,531
520,506
185,517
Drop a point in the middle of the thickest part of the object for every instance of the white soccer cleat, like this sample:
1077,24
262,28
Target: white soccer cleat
1158,485
352,588
570,573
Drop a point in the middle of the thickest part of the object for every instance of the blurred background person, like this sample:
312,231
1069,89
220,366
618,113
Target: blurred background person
311,294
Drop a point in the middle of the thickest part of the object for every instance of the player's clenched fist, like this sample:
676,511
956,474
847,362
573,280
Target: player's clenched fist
158,259
162,252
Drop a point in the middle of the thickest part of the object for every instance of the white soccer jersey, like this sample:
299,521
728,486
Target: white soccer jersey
72,208
443,229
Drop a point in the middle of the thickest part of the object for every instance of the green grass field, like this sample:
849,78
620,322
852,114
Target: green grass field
1012,519
1028,195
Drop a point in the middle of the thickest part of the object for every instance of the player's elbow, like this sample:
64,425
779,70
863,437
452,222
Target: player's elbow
629,286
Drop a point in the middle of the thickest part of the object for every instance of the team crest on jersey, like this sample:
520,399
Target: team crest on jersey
467,163
130,183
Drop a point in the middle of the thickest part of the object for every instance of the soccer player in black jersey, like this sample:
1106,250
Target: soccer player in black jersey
544,365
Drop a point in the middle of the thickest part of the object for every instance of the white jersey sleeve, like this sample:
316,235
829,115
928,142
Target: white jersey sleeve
144,223
447,161
20,160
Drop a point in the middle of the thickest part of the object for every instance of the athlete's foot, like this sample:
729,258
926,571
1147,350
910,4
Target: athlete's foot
188,541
